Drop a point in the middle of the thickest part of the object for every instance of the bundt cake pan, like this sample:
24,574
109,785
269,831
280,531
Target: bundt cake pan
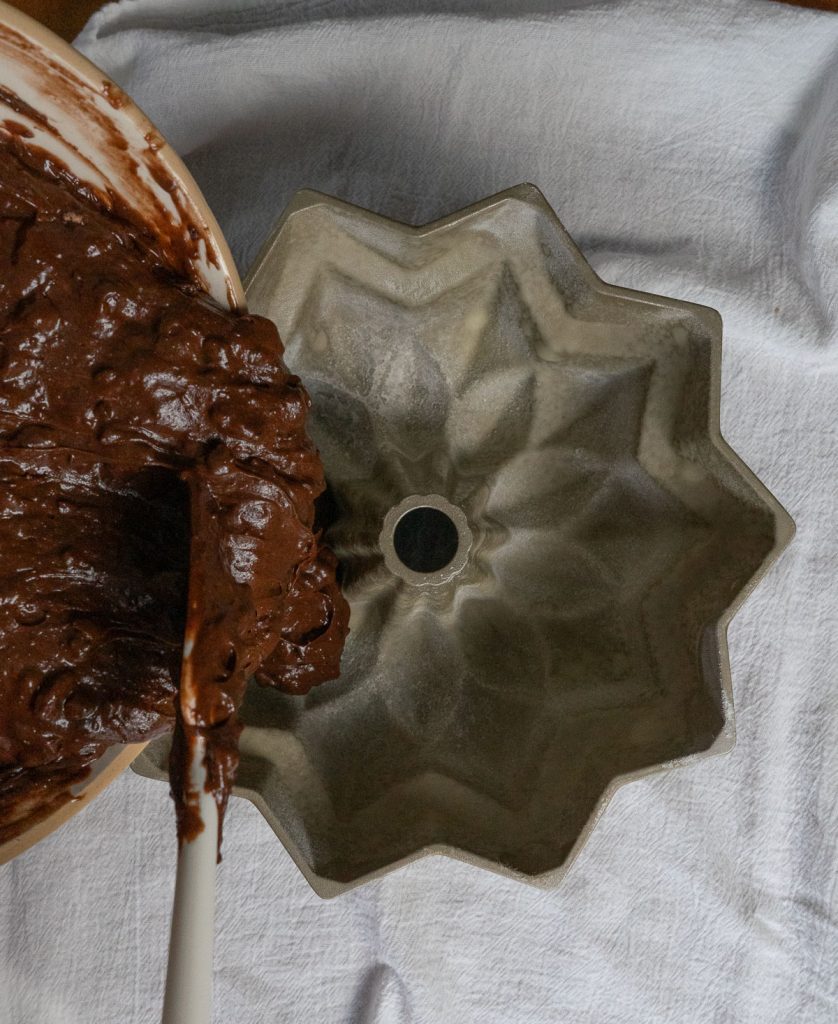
542,533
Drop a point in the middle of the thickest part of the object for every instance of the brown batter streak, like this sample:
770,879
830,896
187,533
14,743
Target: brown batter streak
157,482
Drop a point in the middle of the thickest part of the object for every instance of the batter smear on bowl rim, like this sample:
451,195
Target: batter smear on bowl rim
157,486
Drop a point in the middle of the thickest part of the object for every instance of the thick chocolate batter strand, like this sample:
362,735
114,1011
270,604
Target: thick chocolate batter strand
156,484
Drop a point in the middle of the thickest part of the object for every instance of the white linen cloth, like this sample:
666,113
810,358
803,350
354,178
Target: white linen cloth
691,148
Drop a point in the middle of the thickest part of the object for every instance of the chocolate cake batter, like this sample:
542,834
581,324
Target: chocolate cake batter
157,490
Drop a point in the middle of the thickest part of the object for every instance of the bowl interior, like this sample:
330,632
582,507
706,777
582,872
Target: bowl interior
54,99
57,100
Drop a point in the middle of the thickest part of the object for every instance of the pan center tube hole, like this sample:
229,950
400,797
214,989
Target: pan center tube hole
425,540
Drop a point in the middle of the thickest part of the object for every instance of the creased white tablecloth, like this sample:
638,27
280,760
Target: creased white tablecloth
691,148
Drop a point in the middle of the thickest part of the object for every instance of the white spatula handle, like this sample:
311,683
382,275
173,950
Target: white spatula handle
188,998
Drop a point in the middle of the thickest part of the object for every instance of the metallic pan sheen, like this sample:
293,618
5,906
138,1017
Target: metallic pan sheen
576,638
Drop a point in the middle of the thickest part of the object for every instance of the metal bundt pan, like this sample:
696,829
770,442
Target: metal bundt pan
543,538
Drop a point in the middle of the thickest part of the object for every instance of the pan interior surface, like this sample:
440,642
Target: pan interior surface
541,534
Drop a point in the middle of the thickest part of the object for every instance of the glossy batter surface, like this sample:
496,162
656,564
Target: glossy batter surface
156,485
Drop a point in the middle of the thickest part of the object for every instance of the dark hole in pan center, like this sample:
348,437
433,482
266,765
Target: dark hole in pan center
426,539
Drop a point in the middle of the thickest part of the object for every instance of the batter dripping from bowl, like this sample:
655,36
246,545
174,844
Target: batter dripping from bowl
156,483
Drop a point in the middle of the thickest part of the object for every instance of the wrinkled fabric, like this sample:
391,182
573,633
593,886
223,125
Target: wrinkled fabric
691,148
